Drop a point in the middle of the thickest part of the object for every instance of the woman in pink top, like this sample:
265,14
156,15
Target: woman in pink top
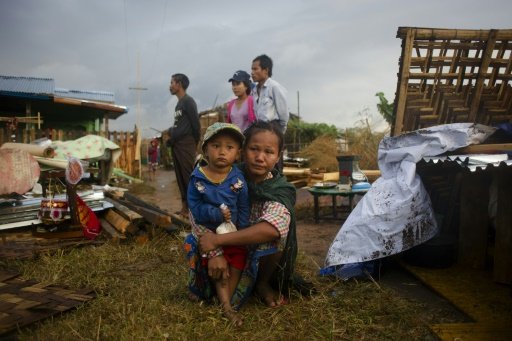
241,109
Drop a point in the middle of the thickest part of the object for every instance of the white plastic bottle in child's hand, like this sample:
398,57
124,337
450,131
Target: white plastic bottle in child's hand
226,226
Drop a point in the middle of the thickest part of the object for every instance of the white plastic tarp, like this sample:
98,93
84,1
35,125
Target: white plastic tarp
396,213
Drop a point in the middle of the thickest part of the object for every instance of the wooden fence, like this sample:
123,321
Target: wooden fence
129,159
126,140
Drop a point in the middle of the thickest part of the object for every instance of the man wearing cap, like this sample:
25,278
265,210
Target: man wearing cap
183,136
240,111
269,96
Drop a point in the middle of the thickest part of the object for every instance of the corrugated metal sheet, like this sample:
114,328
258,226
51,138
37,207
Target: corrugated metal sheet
472,162
102,96
13,85
34,86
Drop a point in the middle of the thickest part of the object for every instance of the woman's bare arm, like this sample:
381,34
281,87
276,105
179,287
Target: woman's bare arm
261,232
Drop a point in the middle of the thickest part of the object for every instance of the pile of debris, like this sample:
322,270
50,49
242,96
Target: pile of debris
122,216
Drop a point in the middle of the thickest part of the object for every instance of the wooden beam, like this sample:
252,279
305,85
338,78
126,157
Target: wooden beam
30,119
91,104
139,202
440,33
462,61
180,220
399,108
76,233
433,75
107,227
132,216
484,149
151,216
477,93
119,222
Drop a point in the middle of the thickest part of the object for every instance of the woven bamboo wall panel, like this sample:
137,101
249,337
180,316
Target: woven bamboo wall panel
26,301
449,76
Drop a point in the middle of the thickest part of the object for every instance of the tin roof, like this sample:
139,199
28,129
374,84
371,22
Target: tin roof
23,86
472,162
44,89
36,87
102,96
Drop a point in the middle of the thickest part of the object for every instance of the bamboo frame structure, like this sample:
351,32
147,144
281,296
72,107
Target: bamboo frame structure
451,75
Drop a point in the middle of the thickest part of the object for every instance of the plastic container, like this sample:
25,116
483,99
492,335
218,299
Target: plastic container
345,166
350,173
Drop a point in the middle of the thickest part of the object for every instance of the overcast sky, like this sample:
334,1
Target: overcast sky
336,54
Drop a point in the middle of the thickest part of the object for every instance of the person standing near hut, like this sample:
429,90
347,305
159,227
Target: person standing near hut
270,102
240,111
153,152
184,136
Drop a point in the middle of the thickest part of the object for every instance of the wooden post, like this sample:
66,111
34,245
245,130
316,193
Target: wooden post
486,59
474,219
405,64
503,241
32,134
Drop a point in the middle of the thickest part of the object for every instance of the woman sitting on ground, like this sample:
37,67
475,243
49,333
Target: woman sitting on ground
270,238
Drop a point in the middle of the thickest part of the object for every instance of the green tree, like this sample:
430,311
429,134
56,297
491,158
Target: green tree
303,133
385,108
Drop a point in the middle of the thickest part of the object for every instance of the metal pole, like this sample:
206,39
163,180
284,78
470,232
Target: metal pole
138,88
298,114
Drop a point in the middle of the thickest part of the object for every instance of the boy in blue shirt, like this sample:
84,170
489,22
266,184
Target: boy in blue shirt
211,185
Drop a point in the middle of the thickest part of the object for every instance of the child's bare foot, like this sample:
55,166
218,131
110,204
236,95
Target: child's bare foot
233,317
269,296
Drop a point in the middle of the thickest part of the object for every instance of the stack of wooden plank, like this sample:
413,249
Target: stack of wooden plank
297,176
132,216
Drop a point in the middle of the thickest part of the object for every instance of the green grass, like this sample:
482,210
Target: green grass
141,294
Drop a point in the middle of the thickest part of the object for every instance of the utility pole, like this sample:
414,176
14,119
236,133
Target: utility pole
138,88
298,114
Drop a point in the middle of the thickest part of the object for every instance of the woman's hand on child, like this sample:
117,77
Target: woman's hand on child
207,242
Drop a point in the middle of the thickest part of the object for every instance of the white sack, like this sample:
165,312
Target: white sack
396,213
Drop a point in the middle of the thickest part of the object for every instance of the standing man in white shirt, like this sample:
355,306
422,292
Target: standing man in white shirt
270,102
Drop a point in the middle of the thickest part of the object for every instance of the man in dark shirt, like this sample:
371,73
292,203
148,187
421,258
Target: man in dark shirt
183,135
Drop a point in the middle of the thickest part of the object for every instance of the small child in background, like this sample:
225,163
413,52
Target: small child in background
240,111
211,185
153,152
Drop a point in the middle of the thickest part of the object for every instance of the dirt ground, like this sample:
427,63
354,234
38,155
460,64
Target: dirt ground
314,241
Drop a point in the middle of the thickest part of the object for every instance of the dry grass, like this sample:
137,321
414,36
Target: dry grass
321,153
364,142
141,294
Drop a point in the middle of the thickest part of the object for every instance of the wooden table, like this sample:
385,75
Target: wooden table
333,192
